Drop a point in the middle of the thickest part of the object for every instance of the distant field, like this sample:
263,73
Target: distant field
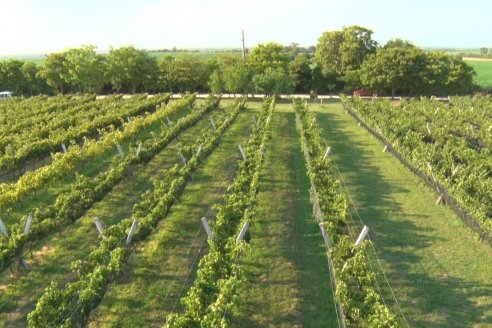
484,72
200,54
206,54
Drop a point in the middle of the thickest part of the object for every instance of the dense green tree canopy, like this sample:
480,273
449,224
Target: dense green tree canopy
338,52
130,69
269,55
301,74
343,61
393,69
85,68
55,71
411,71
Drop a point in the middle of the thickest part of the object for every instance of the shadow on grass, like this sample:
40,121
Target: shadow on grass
429,299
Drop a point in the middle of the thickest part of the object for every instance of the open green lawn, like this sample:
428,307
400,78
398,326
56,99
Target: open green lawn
484,72
441,274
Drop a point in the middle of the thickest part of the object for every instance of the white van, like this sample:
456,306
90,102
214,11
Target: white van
4,95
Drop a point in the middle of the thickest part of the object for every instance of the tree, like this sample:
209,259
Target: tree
356,46
415,72
399,43
484,51
34,83
460,78
191,73
85,68
237,78
216,82
12,77
273,81
301,74
340,51
130,69
55,72
167,78
394,69
269,55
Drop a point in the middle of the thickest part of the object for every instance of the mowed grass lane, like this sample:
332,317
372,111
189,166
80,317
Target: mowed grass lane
53,255
483,69
441,274
287,273
163,268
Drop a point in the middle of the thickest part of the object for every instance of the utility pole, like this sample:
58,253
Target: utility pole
244,49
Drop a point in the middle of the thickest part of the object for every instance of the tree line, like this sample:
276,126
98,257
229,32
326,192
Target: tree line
342,61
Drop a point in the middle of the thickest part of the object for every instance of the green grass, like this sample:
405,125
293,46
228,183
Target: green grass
287,273
158,272
484,72
441,274
205,55
53,255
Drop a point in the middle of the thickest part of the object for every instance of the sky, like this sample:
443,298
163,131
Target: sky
43,26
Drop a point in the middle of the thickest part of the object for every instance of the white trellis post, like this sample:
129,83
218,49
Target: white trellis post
120,150
243,154
139,149
327,152
99,227
133,229
199,151
3,229
243,231
213,123
255,123
362,235
207,228
181,157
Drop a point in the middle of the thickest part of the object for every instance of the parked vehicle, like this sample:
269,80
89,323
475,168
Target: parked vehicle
4,95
